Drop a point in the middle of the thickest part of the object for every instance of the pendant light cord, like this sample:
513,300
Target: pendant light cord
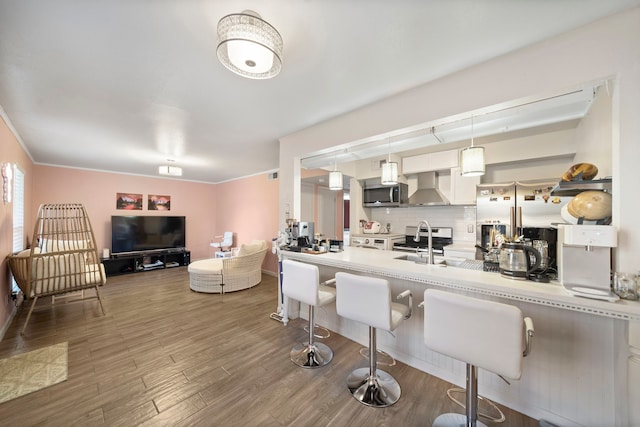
472,130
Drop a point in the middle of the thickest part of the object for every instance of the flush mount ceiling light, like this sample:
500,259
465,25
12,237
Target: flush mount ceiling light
170,169
249,46
389,170
472,158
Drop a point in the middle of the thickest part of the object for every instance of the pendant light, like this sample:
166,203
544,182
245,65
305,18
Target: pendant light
249,46
335,177
472,158
389,170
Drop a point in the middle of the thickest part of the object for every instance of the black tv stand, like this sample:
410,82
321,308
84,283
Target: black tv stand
135,262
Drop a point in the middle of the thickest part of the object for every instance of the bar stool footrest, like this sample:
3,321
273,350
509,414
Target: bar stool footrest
387,359
316,331
500,418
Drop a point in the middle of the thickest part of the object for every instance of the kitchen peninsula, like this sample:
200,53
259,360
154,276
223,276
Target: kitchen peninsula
578,362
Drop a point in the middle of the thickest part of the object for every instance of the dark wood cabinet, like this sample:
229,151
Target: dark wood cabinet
145,261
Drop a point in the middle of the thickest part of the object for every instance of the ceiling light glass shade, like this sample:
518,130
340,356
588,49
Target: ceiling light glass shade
472,161
335,180
249,46
389,173
170,170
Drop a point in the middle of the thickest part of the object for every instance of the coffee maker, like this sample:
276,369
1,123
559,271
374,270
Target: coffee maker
584,260
545,241
302,234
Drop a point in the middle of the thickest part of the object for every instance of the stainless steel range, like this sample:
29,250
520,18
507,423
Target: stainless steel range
441,236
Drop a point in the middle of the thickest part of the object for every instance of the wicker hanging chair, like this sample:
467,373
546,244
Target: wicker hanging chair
63,258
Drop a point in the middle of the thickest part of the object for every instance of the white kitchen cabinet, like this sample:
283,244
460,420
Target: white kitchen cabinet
430,162
415,164
463,188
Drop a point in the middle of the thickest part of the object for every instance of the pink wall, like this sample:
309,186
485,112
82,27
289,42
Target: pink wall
11,151
249,208
97,192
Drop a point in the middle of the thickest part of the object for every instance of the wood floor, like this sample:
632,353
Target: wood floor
164,355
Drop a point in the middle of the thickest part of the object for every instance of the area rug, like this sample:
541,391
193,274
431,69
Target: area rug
28,372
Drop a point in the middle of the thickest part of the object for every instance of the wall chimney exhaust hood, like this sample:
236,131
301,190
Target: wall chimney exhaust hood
427,193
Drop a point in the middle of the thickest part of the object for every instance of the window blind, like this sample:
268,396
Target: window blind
18,215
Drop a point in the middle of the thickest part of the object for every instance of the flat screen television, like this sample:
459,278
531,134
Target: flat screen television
147,233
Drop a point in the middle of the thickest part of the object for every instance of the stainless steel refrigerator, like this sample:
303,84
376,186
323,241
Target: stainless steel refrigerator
506,209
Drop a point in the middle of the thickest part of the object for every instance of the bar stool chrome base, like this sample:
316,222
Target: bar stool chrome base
315,355
453,420
380,390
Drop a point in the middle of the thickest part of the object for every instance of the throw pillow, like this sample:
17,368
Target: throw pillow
251,248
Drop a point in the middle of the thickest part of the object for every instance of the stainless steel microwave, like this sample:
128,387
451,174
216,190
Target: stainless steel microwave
385,196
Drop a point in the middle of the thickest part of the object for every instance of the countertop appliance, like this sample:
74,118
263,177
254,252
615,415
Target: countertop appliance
376,241
503,210
584,260
300,234
545,241
385,196
441,237
372,227
302,229
515,261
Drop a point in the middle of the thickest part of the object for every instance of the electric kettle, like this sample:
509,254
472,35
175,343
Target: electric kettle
515,262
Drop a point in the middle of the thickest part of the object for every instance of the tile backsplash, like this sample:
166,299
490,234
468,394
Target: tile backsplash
461,218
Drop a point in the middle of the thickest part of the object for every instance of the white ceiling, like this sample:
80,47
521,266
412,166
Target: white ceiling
123,85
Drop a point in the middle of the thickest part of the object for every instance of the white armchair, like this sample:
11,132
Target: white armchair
229,274
222,242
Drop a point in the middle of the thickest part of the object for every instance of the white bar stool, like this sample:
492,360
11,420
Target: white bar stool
301,282
368,300
483,334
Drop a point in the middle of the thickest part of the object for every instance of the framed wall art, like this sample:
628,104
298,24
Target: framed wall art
159,203
129,201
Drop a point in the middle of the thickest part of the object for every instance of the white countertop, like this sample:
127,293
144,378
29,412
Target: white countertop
383,263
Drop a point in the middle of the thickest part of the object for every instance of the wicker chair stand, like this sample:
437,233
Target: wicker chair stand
63,258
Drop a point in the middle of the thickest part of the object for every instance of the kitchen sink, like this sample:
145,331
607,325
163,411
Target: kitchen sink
421,258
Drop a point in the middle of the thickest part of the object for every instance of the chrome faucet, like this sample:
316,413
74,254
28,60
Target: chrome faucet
429,240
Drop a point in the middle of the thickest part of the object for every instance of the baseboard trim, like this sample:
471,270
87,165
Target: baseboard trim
6,325
270,273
